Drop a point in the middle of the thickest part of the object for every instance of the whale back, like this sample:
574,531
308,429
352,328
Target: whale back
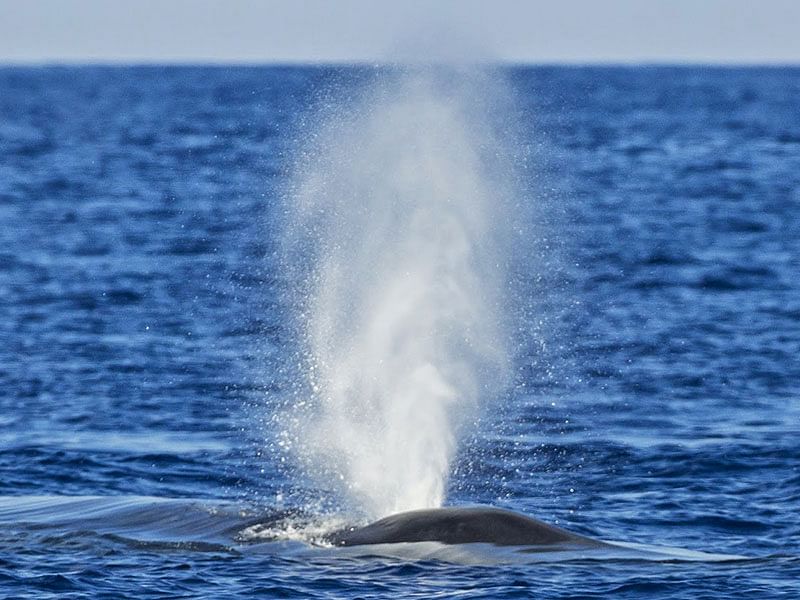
459,526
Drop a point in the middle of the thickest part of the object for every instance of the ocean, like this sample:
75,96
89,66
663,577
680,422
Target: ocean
241,304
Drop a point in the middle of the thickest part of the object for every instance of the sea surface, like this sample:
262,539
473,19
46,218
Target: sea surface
142,338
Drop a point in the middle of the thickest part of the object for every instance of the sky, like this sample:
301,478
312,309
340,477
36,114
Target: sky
519,31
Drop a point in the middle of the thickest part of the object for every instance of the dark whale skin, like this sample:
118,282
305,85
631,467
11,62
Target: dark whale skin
456,525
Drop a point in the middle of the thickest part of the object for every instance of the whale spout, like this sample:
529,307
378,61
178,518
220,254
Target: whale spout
457,525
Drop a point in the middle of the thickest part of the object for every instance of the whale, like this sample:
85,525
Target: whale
463,525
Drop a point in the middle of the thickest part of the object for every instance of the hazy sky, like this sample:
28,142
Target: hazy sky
731,31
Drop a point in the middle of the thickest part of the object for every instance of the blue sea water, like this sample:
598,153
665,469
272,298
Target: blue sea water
142,332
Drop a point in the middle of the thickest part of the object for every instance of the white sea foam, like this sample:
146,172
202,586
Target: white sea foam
400,218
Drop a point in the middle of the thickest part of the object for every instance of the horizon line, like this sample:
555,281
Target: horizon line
258,62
